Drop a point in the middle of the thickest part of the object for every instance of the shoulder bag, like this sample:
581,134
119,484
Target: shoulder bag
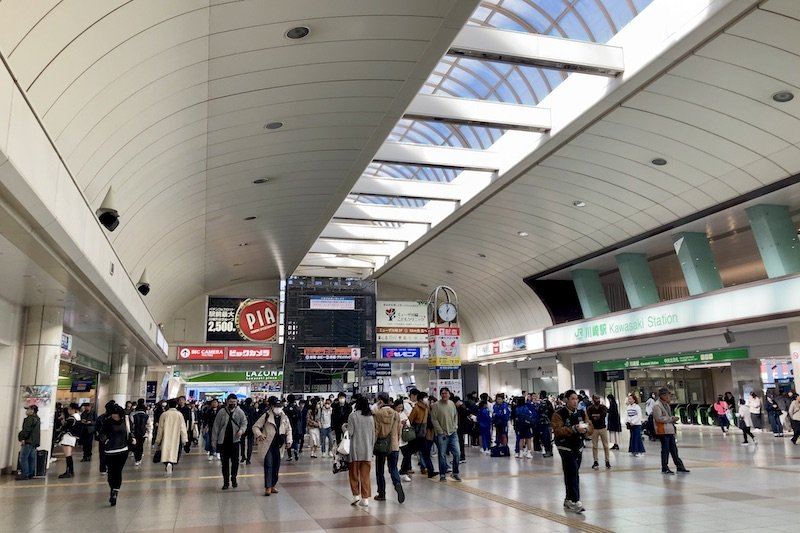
383,445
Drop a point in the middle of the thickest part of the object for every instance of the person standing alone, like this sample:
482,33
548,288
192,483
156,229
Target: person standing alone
664,423
445,426
229,426
570,426
597,414
29,440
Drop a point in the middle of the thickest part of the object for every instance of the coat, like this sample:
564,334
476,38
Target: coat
387,423
362,436
265,427
221,422
171,435
662,419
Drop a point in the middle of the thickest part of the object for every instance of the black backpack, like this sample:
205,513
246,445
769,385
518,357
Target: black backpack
293,412
139,423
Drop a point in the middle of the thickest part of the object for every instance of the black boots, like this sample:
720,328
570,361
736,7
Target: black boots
70,469
113,498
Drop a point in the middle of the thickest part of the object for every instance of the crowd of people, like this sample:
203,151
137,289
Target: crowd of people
353,431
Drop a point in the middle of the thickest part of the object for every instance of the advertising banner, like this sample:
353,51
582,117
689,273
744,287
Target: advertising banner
401,321
201,353
151,388
66,347
454,385
241,319
406,352
332,303
444,346
331,354
237,377
41,396
250,354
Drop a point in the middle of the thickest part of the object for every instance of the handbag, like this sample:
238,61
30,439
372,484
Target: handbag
408,434
157,456
383,445
68,440
344,445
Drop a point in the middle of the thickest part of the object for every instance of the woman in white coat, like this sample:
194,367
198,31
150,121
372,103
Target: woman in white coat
171,436
273,432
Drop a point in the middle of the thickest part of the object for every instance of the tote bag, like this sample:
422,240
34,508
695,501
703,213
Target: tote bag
344,445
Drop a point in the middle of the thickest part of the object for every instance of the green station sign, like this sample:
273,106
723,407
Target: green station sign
237,377
670,360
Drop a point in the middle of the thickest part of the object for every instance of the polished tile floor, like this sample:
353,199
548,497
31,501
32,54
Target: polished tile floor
731,488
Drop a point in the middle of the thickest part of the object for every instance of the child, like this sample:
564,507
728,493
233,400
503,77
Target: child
500,416
485,425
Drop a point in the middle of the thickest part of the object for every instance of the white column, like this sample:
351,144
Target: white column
139,383
119,376
564,371
40,361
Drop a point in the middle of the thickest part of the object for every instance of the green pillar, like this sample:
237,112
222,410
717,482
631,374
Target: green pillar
590,292
697,262
638,279
776,237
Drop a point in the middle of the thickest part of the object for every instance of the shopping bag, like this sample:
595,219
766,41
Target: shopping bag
344,445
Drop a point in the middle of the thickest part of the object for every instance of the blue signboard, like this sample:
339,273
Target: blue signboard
401,353
374,369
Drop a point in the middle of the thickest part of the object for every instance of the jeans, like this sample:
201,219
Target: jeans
272,465
775,422
27,460
571,463
636,445
138,448
379,471
209,445
326,436
229,453
670,447
547,439
116,462
447,443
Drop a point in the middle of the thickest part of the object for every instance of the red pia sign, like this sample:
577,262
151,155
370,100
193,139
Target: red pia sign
257,320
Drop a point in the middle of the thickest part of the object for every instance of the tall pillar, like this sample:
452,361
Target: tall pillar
119,376
794,351
139,383
590,292
697,262
638,279
776,237
40,361
564,371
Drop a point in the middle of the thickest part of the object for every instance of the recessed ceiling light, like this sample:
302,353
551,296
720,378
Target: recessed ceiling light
244,243
273,125
659,161
298,32
579,203
482,256
249,218
523,233
259,181
783,96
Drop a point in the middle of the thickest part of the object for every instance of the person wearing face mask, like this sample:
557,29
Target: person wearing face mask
339,415
325,429
424,441
273,432
597,414
229,426
115,434
158,410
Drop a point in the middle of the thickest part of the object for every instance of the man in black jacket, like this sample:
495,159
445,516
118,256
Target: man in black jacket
88,425
139,419
570,426
29,440
186,410
246,444
341,412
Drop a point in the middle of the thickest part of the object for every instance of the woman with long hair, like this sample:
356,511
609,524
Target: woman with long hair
633,420
313,425
70,432
361,429
614,423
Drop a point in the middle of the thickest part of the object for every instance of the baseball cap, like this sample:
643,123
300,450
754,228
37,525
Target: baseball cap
663,390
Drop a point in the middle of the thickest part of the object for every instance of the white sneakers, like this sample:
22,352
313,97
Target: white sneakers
169,469
575,507
216,456
210,457
363,503
405,477
516,455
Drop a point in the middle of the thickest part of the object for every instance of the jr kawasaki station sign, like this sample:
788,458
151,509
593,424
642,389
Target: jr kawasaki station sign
755,301
668,360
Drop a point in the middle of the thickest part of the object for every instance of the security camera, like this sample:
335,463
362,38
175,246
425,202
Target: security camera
143,286
107,214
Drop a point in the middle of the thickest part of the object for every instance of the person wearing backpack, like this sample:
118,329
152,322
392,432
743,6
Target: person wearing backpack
501,414
273,432
292,411
546,411
229,426
246,444
485,425
139,419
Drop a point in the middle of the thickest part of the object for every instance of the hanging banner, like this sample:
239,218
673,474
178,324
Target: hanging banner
454,385
241,319
401,321
330,354
444,347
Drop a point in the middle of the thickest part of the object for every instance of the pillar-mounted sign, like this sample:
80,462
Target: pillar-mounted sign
444,335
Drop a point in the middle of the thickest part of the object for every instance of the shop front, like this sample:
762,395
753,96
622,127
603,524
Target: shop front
258,383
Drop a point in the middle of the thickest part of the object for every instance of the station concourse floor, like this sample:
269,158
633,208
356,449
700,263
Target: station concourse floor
730,488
